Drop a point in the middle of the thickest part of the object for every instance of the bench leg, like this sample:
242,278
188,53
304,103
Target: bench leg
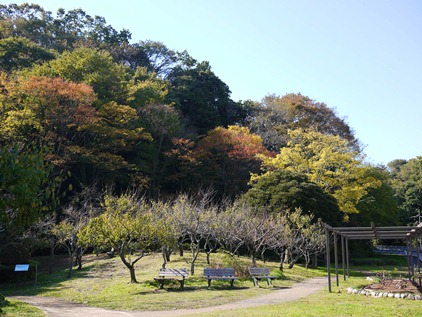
161,284
231,283
209,283
182,284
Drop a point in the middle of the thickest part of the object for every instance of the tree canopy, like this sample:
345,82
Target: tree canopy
83,106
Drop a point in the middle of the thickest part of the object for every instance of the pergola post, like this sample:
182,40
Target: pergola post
412,262
343,258
408,257
336,258
347,258
327,245
418,254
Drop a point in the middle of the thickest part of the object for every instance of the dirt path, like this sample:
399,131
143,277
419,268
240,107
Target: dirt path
56,307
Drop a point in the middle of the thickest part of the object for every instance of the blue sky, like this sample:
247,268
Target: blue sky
363,58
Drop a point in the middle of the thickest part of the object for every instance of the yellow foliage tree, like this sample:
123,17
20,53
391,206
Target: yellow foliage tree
328,161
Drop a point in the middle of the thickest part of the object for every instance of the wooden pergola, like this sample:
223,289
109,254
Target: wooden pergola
410,234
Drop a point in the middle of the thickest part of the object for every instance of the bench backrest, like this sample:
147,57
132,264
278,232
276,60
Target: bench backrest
259,271
173,272
219,272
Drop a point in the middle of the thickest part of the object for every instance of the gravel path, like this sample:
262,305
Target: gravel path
56,307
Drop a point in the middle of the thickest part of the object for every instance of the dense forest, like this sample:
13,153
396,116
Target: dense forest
86,111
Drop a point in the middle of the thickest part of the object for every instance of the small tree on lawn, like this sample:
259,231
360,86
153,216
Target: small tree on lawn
127,226
303,237
66,234
191,221
258,231
229,227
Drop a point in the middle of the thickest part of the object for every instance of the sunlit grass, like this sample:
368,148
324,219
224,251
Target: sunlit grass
16,308
106,283
339,303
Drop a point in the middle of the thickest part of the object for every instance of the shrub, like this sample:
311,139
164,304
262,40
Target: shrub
14,253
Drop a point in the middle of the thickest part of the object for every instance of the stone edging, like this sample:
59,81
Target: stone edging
384,294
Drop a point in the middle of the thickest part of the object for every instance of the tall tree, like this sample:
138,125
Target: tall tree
275,115
92,67
202,97
17,53
283,191
380,204
407,183
227,157
329,162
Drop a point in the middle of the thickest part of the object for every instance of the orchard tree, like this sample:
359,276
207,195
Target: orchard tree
127,226
192,221
66,234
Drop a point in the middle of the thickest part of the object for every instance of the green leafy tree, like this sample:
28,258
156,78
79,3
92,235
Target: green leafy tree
380,204
17,53
92,67
127,226
202,97
407,183
27,20
23,176
281,190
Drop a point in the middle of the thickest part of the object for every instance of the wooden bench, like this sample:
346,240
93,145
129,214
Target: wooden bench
258,273
220,274
172,274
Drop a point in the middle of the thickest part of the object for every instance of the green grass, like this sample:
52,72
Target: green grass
105,283
336,304
16,308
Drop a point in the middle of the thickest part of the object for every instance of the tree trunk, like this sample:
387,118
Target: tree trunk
291,264
164,254
282,258
131,268
253,259
69,275
208,258
169,251
51,260
132,274
180,248
263,256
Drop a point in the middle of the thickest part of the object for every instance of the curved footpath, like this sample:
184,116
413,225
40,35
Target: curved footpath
57,307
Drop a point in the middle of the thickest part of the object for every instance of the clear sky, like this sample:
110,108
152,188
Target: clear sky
363,58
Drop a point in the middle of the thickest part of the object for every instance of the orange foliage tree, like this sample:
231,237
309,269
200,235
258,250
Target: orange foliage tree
227,158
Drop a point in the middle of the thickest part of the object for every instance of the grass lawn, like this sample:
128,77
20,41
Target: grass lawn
105,283
16,308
